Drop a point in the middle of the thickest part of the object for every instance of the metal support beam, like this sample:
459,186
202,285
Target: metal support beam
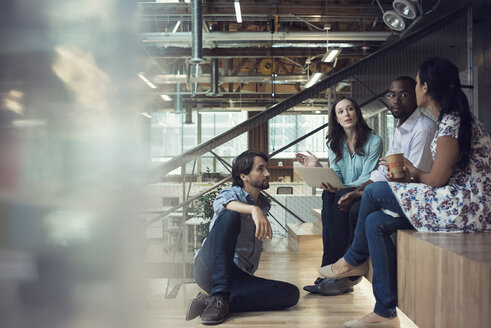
235,37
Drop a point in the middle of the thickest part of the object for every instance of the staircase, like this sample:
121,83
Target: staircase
306,236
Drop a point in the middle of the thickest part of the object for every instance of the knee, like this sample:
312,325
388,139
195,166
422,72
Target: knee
228,218
291,295
369,190
374,223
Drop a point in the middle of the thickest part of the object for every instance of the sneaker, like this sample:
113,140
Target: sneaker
197,305
216,311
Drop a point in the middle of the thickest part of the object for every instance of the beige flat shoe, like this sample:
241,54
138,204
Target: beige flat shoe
360,270
391,323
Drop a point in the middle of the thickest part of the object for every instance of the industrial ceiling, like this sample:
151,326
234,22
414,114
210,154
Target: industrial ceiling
270,55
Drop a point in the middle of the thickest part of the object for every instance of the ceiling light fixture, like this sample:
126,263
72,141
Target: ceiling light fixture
313,79
238,13
176,27
146,115
165,97
144,79
394,21
405,8
330,55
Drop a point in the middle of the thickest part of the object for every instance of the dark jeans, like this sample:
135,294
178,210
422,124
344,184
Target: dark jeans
337,226
372,237
216,272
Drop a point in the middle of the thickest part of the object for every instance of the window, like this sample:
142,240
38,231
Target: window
284,129
170,137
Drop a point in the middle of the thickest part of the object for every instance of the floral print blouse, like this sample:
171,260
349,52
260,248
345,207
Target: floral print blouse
464,203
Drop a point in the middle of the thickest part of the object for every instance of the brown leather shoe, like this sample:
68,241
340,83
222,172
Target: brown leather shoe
216,311
197,305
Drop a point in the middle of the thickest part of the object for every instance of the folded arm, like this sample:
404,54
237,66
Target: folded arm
263,227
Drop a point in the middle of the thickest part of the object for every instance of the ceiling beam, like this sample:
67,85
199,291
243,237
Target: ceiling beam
205,78
251,37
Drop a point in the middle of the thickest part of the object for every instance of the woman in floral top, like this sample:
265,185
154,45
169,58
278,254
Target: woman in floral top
455,196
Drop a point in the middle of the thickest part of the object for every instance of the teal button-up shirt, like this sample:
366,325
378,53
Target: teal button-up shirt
354,170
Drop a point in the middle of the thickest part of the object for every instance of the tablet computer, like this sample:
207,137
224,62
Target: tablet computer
314,176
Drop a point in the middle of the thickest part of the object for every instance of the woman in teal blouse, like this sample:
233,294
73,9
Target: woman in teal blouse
354,150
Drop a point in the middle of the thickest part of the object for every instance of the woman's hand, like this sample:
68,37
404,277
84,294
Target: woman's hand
309,160
328,187
409,170
412,173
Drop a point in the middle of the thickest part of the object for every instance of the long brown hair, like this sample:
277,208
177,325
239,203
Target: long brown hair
442,78
336,135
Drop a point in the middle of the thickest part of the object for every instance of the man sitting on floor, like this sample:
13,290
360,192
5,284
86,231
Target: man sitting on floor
225,264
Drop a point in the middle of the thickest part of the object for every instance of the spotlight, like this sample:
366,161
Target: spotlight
330,55
313,79
394,21
238,13
405,8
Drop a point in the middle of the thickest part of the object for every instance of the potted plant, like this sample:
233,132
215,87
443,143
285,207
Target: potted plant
203,207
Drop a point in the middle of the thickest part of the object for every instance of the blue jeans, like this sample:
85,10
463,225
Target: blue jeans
215,272
372,237
337,226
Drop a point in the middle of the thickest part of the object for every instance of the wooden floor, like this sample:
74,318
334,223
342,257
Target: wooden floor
297,268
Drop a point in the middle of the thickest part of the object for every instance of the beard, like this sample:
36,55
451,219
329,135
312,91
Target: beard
264,184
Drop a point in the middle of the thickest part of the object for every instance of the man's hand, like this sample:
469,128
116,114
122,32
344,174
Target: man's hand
263,227
348,199
309,160
328,187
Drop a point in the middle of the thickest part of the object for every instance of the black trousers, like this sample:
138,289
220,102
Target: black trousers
337,226
216,272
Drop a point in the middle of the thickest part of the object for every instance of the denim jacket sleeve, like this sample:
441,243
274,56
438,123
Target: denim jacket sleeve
226,196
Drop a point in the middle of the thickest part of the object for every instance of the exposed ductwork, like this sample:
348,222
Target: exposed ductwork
177,98
197,33
214,77
189,113
214,39
205,78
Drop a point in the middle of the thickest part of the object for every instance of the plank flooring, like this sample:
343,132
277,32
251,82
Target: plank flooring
311,311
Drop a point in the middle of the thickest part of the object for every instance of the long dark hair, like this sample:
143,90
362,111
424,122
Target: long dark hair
243,165
442,78
336,135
